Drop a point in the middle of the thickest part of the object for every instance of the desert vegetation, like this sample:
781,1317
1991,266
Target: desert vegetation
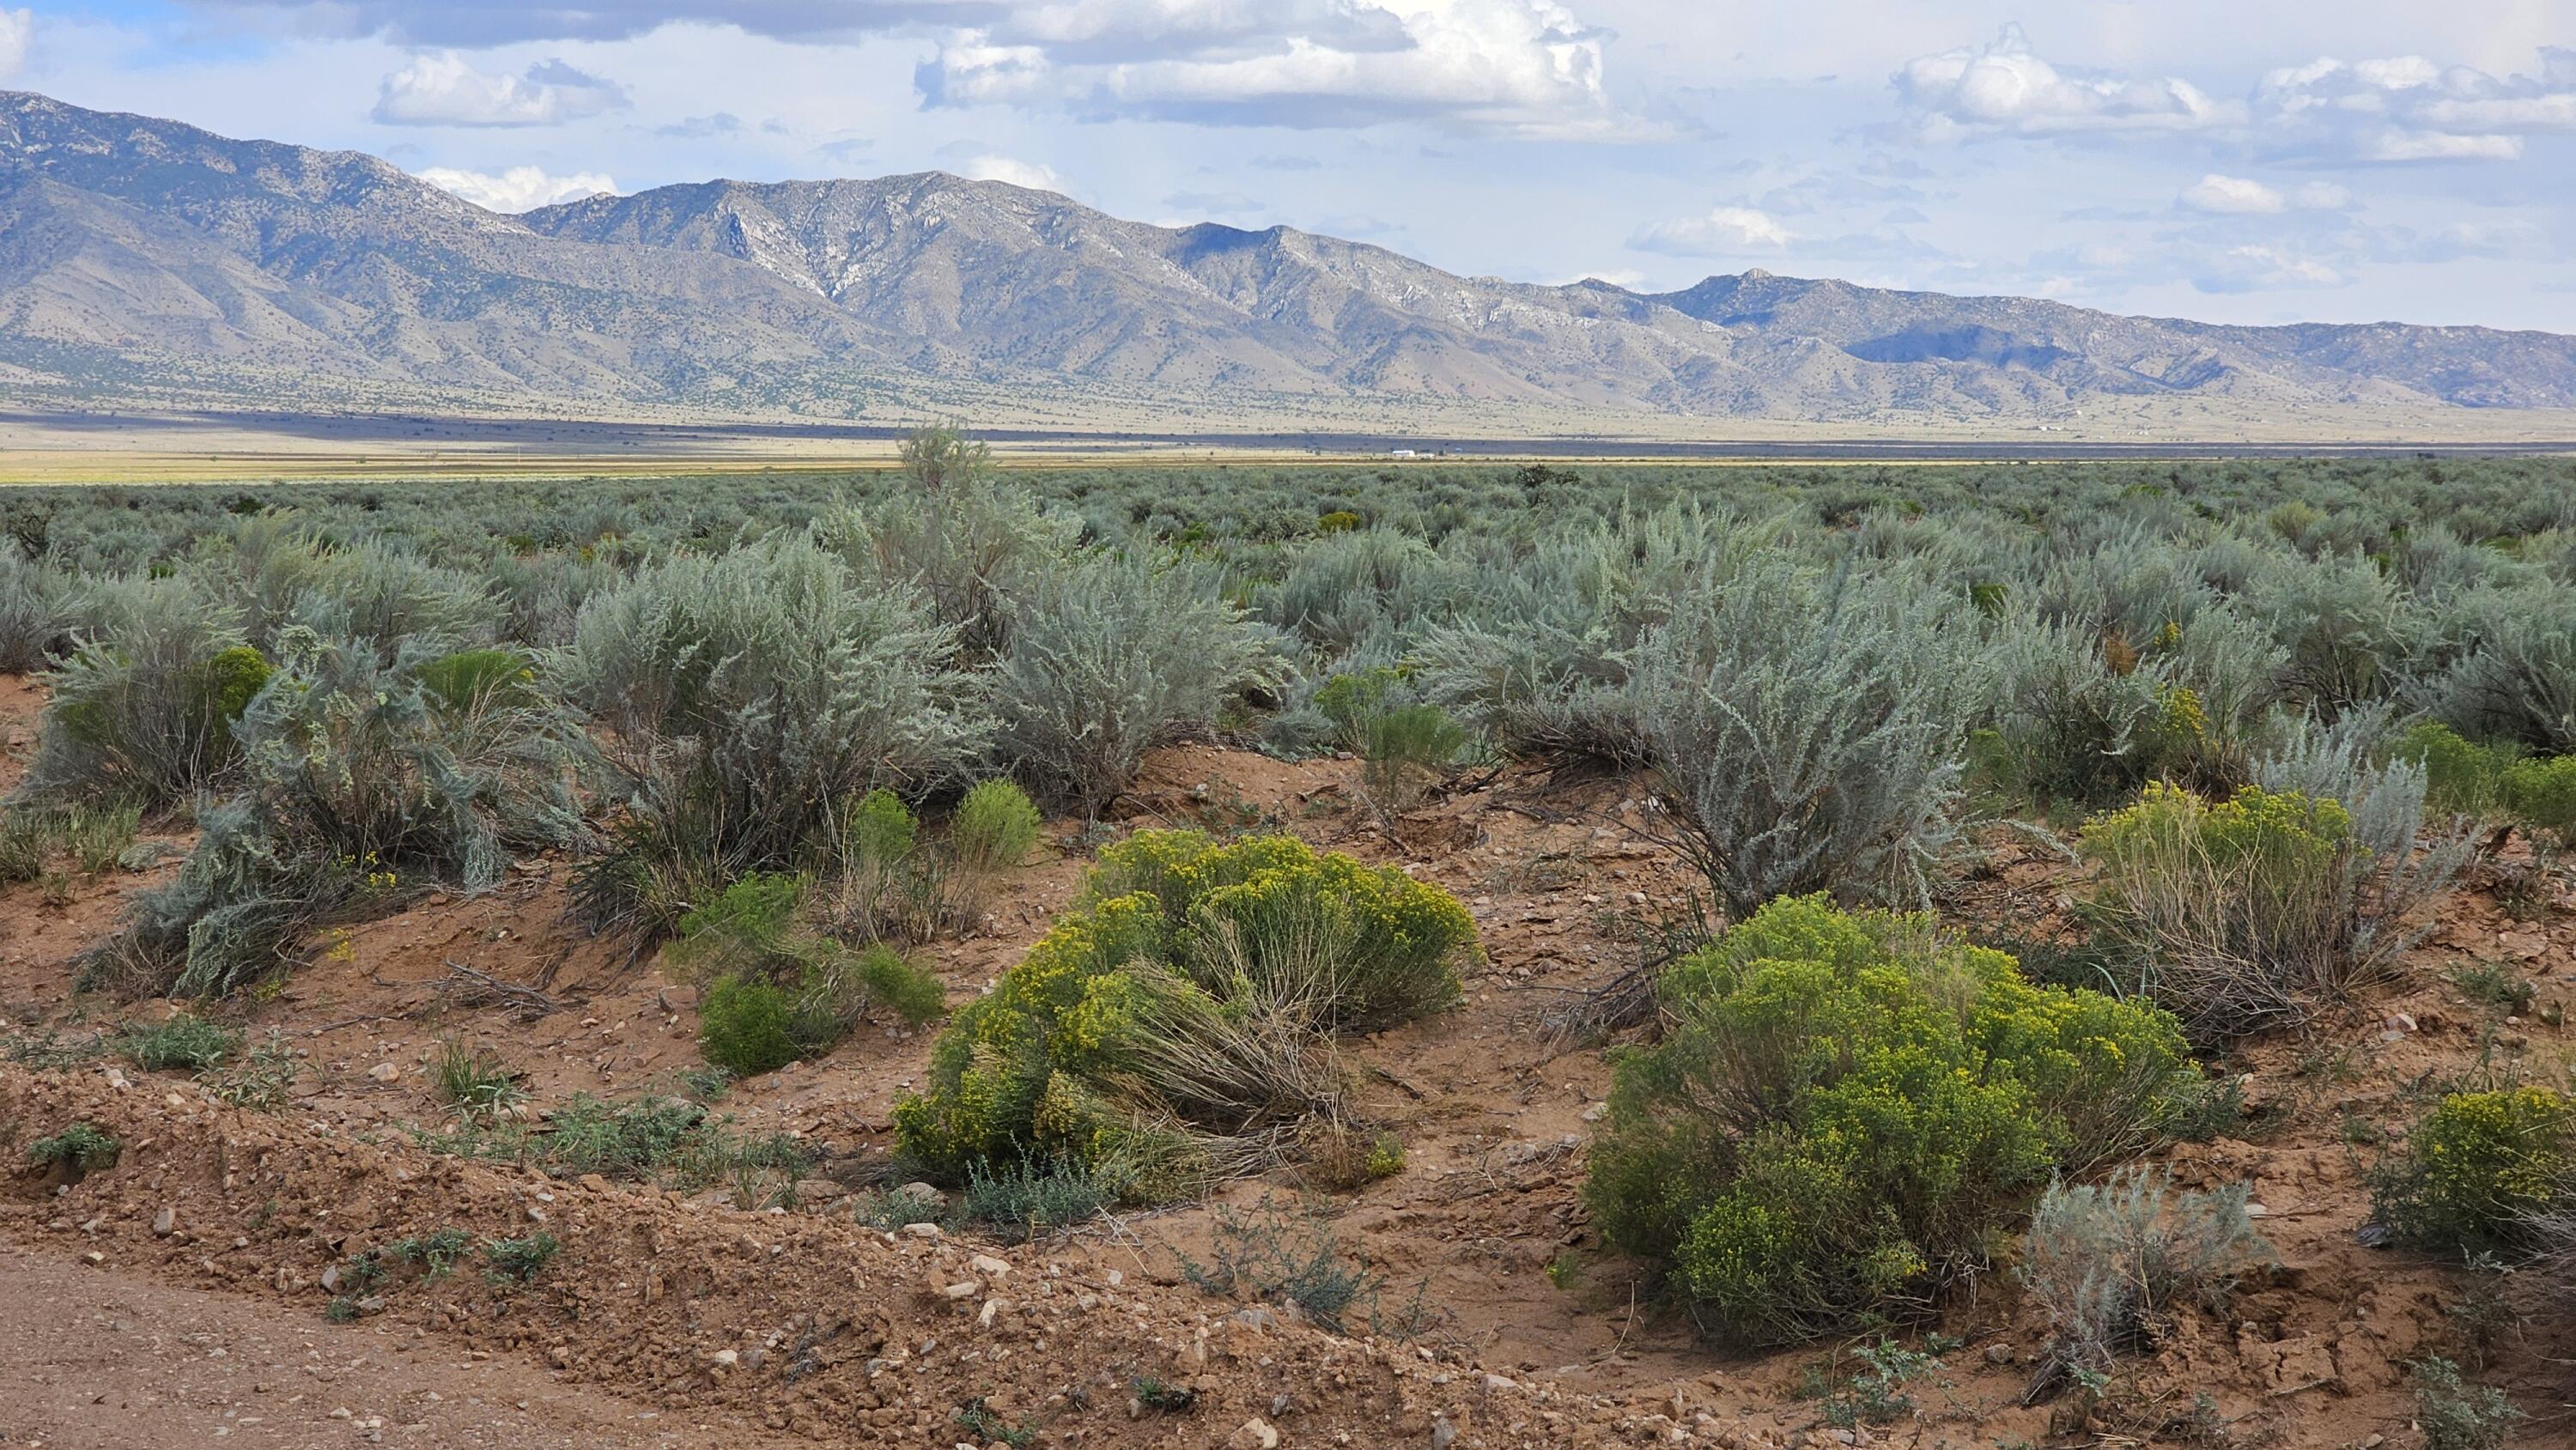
2015,834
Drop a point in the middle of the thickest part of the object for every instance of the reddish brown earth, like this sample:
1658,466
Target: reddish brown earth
838,1332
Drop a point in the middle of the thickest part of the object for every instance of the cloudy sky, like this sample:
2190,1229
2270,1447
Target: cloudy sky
2300,160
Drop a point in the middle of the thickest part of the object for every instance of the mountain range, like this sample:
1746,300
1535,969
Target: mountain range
144,257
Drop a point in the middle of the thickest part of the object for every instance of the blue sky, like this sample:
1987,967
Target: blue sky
2293,161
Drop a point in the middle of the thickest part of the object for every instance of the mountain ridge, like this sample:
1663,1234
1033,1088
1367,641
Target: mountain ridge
141,254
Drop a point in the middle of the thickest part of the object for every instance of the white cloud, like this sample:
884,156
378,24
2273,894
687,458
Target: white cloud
2410,108
17,36
2264,269
2220,195
443,90
1720,232
2233,196
2007,87
1518,67
521,188
1030,174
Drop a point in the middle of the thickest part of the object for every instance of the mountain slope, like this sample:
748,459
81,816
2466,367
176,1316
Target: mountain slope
145,254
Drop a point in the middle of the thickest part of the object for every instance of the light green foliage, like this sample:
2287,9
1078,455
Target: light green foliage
747,696
2111,1263
2462,777
472,678
2541,793
436,1253
1845,1109
80,1148
182,1040
96,836
2480,1169
1177,1023
994,828
147,713
777,990
472,1079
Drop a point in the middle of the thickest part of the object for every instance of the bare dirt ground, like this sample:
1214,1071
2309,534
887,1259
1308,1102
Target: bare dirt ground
804,1325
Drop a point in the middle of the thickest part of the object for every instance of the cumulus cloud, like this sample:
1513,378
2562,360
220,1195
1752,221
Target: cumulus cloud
1520,67
441,89
2220,195
2006,87
17,36
1720,232
479,23
2410,108
521,188
1015,172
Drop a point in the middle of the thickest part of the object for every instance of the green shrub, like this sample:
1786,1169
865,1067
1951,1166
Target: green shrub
995,827
1405,750
2110,1263
1177,1023
183,1040
779,991
517,1261
2241,916
2479,1169
2462,777
472,678
78,1149
436,1253
1030,1200
1845,1110
2541,793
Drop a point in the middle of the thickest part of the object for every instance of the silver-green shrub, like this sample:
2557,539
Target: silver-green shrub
775,682
2111,1264
1808,729
1109,655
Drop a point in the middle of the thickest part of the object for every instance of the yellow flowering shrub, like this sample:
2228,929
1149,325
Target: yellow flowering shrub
2478,1167
1845,1108
1127,1036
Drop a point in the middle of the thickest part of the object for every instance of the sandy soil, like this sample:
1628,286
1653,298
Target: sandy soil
839,1332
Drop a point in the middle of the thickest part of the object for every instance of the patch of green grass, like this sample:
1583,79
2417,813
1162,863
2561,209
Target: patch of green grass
1270,1256
183,1041
472,1079
978,1418
1029,1201
262,1079
2495,985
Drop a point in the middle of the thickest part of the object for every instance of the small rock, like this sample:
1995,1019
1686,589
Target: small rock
2256,1210
1999,1354
384,1072
726,1358
988,1266
962,1289
819,1190
93,1258
166,1222
992,1308
1596,1112
1443,1435
921,1230
924,1193
1257,1434
2401,1021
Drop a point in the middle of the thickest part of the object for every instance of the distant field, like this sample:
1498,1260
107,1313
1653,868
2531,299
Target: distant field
135,447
